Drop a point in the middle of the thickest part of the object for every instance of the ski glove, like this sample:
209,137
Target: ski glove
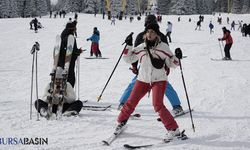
129,39
178,53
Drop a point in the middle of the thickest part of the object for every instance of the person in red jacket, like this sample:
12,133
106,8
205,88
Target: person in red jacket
229,42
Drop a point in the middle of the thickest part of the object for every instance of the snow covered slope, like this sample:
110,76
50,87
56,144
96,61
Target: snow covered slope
218,90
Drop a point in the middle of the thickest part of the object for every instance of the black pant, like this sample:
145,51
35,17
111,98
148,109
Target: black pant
169,36
227,50
76,105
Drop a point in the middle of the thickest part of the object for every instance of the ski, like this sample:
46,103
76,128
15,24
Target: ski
96,58
176,116
96,107
69,51
219,59
182,136
114,136
56,52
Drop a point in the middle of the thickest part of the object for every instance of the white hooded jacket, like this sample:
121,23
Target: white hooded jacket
148,73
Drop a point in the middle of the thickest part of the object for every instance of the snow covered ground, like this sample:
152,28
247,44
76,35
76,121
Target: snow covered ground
218,90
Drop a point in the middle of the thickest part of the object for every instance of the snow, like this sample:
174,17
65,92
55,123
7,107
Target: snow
218,90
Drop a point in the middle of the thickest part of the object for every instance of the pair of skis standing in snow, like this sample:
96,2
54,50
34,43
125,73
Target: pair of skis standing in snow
59,97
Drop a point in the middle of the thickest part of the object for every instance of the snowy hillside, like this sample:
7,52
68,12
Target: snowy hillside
218,90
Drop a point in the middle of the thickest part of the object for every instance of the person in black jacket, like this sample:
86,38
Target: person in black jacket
70,29
35,25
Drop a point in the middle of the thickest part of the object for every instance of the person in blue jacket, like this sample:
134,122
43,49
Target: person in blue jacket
95,43
169,92
211,26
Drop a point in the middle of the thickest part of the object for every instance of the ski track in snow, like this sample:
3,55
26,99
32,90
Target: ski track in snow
218,90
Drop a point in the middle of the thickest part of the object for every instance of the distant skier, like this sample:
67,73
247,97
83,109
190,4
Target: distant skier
169,31
211,27
31,24
95,43
113,20
198,25
233,26
229,42
35,22
71,106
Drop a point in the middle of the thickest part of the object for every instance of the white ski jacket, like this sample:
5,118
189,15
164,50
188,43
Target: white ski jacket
148,73
69,96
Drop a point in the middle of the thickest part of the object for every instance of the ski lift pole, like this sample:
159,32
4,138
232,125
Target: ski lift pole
189,107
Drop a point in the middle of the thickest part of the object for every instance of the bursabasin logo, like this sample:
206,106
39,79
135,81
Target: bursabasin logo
23,141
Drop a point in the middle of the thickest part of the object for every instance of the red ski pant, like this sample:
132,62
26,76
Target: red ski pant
140,89
94,48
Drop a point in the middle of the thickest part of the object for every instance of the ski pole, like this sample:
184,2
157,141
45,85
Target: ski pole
221,50
129,36
33,51
99,98
78,78
189,107
37,48
31,92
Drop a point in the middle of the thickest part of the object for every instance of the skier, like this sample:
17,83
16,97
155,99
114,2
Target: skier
35,22
198,25
113,20
70,29
229,41
151,76
233,26
169,92
70,106
31,24
169,31
211,26
95,43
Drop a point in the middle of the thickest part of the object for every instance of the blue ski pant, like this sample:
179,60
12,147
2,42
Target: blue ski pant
169,92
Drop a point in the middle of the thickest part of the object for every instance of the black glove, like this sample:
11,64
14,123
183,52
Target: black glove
134,70
178,53
129,39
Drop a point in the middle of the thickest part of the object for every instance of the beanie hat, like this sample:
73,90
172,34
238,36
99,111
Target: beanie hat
70,26
153,26
150,19
59,73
